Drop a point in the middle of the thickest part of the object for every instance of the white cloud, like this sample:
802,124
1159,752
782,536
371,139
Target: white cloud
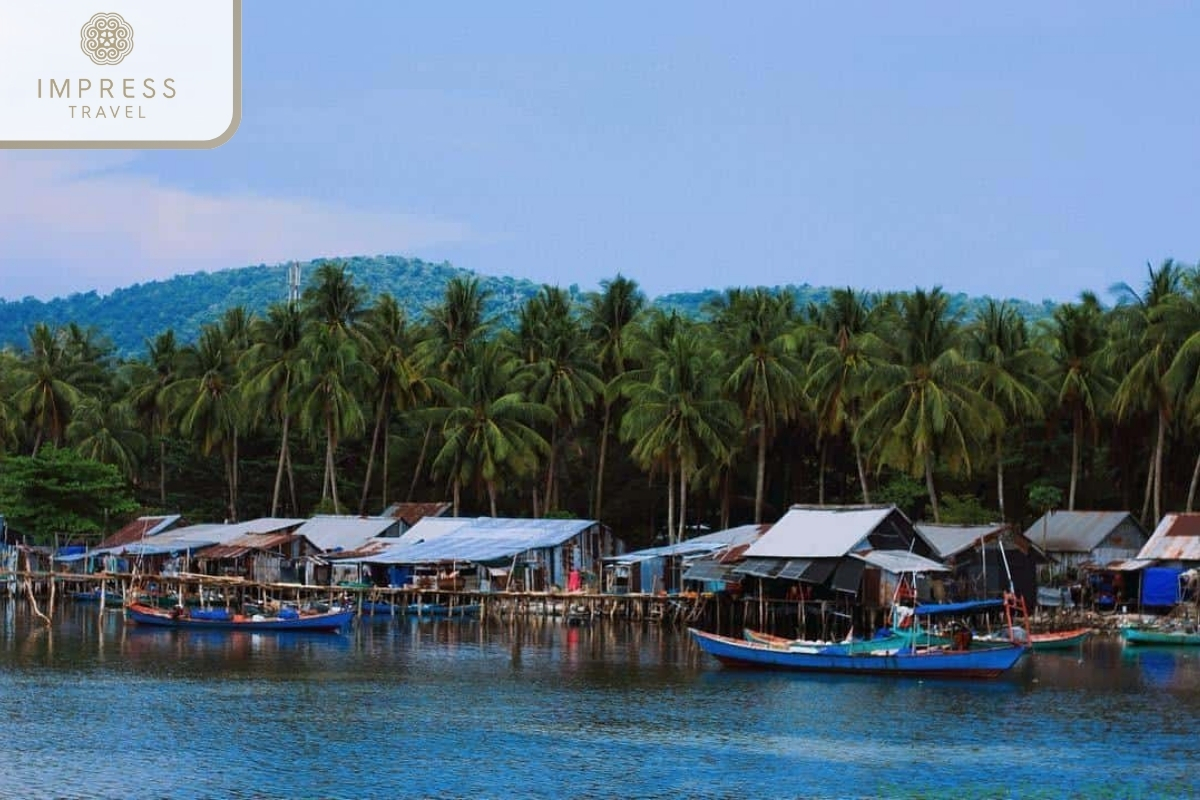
73,222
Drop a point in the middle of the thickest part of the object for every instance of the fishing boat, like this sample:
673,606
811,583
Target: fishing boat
443,609
111,599
953,661
884,640
1059,640
910,628
1166,636
379,608
223,619
1041,642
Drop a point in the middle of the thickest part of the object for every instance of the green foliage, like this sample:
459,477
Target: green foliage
964,510
60,492
395,379
324,506
1044,497
905,492
134,314
131,315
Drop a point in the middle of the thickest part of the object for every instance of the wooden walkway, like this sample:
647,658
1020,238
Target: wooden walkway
211,590
722,612
707,611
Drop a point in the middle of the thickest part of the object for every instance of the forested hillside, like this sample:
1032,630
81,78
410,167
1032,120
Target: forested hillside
600,405
131,315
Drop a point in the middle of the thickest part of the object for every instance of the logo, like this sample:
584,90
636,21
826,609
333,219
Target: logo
106,38
170,94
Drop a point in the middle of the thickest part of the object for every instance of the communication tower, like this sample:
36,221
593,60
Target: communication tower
294,283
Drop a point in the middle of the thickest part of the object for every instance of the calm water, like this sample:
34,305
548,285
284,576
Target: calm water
401,708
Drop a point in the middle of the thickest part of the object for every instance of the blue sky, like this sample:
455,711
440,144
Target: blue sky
1009,149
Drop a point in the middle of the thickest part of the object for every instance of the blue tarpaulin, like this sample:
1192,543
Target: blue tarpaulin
931,609
1160,586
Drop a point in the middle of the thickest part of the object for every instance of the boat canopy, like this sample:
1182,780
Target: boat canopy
70,557
965,607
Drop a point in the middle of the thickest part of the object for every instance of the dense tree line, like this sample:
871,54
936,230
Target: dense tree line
656,422
185,303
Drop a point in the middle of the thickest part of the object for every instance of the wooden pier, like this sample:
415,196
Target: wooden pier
708,611
713,612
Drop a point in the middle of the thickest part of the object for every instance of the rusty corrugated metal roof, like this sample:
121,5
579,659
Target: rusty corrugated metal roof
369,549
1184,525
1177,538
245,544
139,529
412,513
733,554
1078,531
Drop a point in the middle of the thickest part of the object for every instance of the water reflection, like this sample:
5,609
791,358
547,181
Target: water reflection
537,709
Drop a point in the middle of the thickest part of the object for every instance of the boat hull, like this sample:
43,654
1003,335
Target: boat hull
328,622
1059,640
374,608
369,608
443,610
932,662
1176,638
111,600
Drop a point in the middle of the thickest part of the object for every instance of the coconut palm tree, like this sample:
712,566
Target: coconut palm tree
838,373
333,300
90,355
1076,342
1142,350
927,408
452,327
1010,371
149,397
758,336
609,315
1181,315
8,412
399,383
455,324
273,367
107,432
236,325
208,402
487,424
562,374
677,416
46,392
332,381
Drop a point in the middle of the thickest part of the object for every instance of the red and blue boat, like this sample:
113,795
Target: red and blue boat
334,620
948,661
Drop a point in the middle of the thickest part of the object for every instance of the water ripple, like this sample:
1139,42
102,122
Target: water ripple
402,708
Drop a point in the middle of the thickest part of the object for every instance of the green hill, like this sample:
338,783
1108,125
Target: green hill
131,315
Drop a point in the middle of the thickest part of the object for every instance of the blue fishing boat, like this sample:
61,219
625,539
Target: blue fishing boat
919,661
443,609
111,599
222,619
379,608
